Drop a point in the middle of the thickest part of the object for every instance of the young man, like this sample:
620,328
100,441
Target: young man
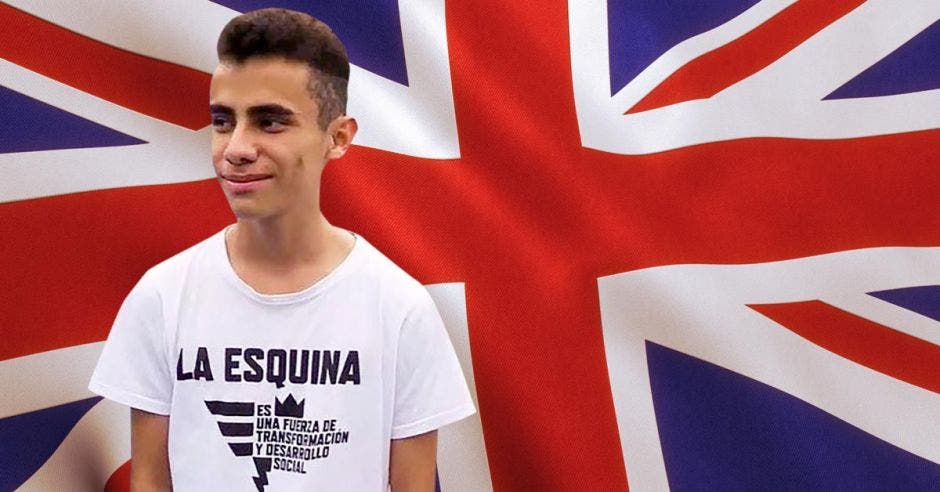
282,353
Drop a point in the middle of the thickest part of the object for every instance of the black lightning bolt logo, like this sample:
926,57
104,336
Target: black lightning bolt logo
237,431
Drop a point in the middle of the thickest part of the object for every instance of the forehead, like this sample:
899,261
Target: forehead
260,81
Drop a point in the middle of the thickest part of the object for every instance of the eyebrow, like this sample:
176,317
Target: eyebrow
269,110
219,109
254,111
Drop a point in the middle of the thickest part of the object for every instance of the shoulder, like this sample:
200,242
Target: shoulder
395,285
175,269
162,286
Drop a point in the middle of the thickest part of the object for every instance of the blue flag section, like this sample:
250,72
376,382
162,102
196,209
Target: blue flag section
642,30
724,431
27,440
913,67
923,300
30,125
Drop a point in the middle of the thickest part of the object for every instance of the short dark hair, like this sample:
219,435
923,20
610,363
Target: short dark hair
296,36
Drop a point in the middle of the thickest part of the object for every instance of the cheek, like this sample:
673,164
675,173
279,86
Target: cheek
218,151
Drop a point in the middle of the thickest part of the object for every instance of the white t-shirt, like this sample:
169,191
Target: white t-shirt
299,391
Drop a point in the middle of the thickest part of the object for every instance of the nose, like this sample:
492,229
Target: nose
240,148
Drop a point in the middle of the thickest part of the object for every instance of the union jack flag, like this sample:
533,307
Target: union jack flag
689,245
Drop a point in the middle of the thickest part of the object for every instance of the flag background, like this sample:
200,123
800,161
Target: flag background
532,166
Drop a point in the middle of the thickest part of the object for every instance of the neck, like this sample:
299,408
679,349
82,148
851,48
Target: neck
278,256
285,240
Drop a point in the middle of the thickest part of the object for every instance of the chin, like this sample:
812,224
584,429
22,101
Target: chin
242,214
245,209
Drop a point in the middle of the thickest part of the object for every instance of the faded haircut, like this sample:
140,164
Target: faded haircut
295,36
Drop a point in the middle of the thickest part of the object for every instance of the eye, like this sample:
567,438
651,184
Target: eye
222,124
271,125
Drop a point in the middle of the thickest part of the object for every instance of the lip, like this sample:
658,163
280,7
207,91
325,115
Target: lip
244,183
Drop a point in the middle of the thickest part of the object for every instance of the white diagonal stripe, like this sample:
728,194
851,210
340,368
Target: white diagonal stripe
47,379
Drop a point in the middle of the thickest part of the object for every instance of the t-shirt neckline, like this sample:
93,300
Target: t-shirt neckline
220,252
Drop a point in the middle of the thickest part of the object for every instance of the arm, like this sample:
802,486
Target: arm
150,463
413,463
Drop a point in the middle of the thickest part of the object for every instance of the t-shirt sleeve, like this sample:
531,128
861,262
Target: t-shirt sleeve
430,389
133,368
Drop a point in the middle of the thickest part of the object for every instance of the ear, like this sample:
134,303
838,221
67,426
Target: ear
342,130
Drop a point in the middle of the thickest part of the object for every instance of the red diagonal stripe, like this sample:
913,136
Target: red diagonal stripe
163,90
717,70
870,344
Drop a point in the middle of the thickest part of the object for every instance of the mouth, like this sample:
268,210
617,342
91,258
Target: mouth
244,178
240,184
